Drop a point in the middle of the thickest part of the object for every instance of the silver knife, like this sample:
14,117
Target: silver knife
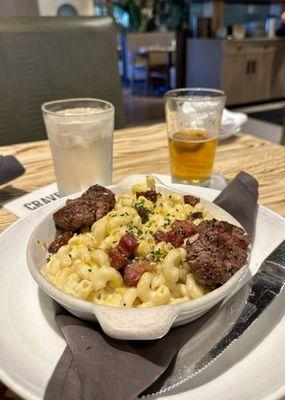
230,321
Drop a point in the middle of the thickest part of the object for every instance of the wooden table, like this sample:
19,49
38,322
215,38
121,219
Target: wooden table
146,52
144,150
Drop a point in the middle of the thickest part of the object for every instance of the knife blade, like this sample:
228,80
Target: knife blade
230,321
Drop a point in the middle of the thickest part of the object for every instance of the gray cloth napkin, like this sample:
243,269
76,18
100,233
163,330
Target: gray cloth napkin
10,168
94,366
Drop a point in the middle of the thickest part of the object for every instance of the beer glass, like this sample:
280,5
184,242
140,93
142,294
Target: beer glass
193,118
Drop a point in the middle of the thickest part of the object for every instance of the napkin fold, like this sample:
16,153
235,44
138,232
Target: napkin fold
10,168
95,366
232,121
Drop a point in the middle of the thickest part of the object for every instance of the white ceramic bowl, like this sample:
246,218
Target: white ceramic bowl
127,323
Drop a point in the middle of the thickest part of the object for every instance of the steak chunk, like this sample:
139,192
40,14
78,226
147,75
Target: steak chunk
195,215
231,233
192,200
61,240
218,253
149,194
134,271
123,252
179,231
96,202
161,236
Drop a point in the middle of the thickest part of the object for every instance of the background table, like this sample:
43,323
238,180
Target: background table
153,71
143,149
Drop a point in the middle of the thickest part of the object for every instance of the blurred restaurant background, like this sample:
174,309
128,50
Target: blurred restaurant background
53,49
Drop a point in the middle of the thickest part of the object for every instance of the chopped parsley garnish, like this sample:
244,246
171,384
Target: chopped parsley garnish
89,269
134,230
48,259
142,211
88,348
124,214
167,222
156,252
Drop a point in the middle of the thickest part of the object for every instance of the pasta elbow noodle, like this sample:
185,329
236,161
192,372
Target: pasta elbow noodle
144,248
161,295
100,258
106,275
171,263
99,229
194,288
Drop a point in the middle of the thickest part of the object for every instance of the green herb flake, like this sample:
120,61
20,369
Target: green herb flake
156,252
88,348
89,269
167,222
48,259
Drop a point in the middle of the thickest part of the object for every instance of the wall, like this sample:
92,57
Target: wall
236,13
23,8
242,13
50,7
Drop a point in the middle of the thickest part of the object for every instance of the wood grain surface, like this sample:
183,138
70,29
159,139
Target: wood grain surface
143,149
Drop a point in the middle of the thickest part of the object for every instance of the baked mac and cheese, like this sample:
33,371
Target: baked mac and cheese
134,256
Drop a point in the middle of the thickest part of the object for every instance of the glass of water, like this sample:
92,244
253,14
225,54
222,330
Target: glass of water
80,133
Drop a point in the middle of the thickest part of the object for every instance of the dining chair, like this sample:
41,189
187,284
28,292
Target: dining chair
138,66
50,58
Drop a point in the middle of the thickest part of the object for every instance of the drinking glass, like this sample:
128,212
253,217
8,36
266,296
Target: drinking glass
193,118
80,133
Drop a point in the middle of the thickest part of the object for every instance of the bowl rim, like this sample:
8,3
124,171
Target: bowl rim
88,307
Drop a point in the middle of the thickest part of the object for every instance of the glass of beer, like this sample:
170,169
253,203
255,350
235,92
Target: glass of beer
193,119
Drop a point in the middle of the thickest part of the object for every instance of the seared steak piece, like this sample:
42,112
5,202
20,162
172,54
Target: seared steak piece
179,231
192,200
230,233
96,202
218,253
61,240
149,194
123,252
195,215
160,236
134,271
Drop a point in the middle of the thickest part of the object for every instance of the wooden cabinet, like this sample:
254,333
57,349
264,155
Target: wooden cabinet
248,70
234,67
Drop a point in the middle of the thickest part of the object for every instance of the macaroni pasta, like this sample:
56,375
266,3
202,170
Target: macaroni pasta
82,268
